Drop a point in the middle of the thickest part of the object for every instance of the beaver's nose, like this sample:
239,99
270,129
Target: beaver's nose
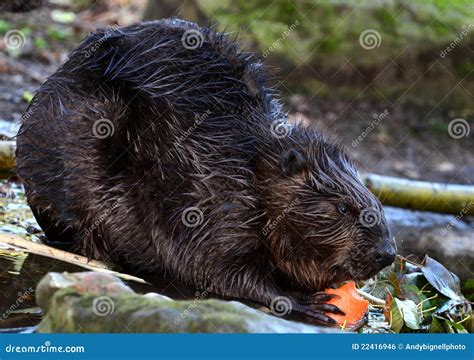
385,257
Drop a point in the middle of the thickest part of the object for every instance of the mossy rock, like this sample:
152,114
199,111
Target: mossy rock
100,303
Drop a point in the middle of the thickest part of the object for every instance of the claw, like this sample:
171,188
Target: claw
320,297
318,308
318,315
321,318
330,308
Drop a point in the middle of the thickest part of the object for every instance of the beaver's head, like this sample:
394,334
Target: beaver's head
323,225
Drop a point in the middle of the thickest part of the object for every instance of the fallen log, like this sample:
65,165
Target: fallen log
422,195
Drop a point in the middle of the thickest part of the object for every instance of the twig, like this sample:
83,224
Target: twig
44,250
371,298
41,249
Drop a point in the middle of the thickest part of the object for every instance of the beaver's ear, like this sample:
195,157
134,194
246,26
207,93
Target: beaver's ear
293,162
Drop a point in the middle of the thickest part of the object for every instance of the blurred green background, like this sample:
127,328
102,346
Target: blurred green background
316,44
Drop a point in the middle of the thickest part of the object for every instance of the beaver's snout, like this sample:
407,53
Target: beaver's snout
386,255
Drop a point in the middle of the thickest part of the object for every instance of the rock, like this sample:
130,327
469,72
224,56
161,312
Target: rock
100,303
93,283
447,238
157,296
8,129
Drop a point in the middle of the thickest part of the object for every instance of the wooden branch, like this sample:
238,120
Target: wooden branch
61,255
422,195
372,299
41,249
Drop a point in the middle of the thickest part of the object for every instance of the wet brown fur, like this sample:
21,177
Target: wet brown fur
19,5
121,199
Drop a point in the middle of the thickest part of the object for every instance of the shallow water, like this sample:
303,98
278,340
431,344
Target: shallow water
20,273
15,215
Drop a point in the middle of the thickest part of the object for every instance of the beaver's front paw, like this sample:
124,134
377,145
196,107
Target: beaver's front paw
315,308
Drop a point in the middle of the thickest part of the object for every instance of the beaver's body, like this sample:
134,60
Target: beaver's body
157,152
20,5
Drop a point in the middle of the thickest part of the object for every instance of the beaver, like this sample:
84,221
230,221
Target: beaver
20,5
161,147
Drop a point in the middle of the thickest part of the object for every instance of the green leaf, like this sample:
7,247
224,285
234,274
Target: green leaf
4,26
469,290
27,96
396,317
408,311
469,284
437,325
413,293
455,328
57,33
40,43
441,279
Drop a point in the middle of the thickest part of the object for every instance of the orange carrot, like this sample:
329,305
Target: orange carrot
350,302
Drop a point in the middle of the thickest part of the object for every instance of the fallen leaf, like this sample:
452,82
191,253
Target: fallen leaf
437,325
409,313
441,279
396,317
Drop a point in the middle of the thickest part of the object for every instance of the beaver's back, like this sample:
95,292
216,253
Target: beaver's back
125,132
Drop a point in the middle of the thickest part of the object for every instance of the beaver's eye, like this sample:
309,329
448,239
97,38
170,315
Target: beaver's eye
342,208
